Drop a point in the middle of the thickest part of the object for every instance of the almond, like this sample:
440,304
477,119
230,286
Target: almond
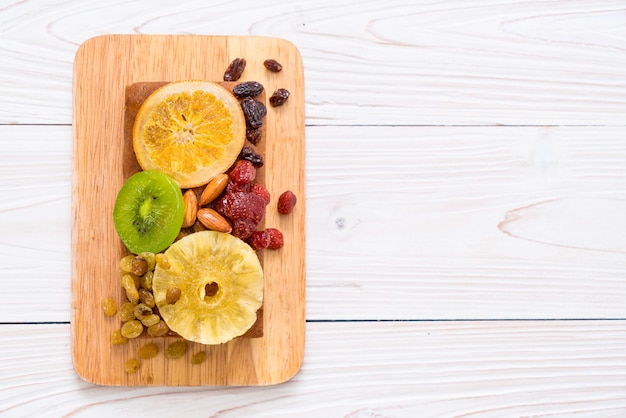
213,189
213,220
191,208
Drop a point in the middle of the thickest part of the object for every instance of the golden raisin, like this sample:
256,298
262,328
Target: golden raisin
150,320
150,260
198,358
109,306
117,338
125,263
132,329
131,366
162,261
142,310
148,351
127,311
146,280
158,330
146,297
175,350
128,283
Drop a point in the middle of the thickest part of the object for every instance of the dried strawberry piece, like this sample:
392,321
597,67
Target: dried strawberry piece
243,172
286,202
275,237
260,190
245,211
259,240
231,187
243,228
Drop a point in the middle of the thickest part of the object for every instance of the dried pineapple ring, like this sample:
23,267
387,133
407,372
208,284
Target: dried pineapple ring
221,283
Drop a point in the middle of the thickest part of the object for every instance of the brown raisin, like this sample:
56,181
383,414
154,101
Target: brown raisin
248,89
254,135
235,69
279,97
254,112
138,266
272,65
172,295
248,153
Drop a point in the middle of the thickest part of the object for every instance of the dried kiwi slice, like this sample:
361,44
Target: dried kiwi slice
148,212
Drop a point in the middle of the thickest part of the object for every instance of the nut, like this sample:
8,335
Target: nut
214,189
213,220
191,208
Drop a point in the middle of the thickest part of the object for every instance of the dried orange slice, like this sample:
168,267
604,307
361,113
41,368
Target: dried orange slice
189,130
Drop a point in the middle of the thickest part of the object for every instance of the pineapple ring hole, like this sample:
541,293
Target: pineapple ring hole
210,290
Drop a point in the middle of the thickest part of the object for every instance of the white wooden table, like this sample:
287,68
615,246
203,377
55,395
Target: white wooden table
466,207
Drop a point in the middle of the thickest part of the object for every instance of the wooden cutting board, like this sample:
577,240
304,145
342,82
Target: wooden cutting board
104,67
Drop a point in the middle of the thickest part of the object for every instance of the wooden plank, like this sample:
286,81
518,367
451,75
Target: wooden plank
115,62
402,63
35,220
472,223
509,368
456,186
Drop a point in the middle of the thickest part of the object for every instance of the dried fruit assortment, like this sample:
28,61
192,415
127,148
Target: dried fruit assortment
191,218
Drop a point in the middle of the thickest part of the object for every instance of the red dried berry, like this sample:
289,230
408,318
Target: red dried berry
286,202
261,191
232,187
243,173
245,210
275,238
259,240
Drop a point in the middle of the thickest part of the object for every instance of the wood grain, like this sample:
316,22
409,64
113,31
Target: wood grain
116,62
486,369
368,63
